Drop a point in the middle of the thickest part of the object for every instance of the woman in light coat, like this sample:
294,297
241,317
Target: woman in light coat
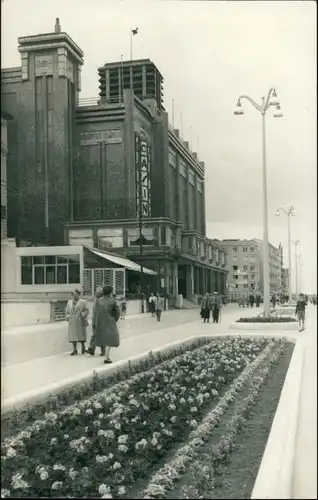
105,319
92,345
76,315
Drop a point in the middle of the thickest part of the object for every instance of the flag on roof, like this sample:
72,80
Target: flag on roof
135,31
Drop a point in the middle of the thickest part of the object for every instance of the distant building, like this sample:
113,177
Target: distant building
76,167
4,153
285,279
245,265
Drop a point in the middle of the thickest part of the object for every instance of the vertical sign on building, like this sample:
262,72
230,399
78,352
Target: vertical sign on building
143,166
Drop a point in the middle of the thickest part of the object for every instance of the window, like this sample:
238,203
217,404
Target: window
246,276
235,276
50,270
245,268
172,158
252,249
245,285
234,258
183,168
234,249
110,238
163,235
199,186
3,211
234,268
236,286
252,277
191,178
133,235
244,249
252,268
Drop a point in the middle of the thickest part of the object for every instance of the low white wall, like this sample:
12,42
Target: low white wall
275,475
24,313
271,327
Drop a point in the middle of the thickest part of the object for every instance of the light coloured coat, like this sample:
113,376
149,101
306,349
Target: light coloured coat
106,315
76,315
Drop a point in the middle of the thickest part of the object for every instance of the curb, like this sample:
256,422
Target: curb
275,475
264,326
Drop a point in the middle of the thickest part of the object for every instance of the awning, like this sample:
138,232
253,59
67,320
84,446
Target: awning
121,261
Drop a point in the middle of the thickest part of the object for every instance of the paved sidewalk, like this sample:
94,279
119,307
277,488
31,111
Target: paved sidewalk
20,378
305,467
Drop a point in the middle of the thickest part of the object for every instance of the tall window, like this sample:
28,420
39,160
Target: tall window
252,249
183,168
110,238
50,270
244,249
191,178
172,158
234,249
245,268
133,236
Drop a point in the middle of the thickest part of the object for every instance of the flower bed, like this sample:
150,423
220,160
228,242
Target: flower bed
271,319
106,444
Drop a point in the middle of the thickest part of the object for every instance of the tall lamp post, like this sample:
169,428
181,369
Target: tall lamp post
267,102
290,212
296,243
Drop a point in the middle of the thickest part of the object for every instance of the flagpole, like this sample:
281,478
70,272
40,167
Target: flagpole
198,145
131,35
181,125
122,77
190,137
173,113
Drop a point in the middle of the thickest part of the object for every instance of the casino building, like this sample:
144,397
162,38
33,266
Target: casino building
75,166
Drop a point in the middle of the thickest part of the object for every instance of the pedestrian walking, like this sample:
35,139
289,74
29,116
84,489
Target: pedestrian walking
206,308
258,300
76,315
216,307
159,306
105,319
251,300
92,345
123,308
152,305
274,301
301,311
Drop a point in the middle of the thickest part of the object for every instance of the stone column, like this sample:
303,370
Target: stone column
190,280
175,278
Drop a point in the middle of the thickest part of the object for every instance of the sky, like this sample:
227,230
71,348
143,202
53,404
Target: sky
210,53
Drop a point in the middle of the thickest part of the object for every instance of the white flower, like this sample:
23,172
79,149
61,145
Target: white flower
18,483
89,411
100,459
103,489
172,407
58,467
121,490
193,423
173,419
193,409
66,436
122,448
57,485
72,473
101,416
11,452
182,401
44,475
107,495
117,426
6,493
76,411
96,423
25,434
110,456
53,441
98,406
154,441
116,466
123,439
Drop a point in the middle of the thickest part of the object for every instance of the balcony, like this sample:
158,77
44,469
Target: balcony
111,102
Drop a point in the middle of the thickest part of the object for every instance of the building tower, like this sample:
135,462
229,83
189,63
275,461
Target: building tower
140,75
44,112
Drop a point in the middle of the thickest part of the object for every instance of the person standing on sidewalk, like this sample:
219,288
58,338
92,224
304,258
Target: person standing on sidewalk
105,319
76,315
159,306
216,307
92,345
123,308
152,305
206,308
301,311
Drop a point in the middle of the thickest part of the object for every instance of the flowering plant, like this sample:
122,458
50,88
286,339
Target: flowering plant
101,445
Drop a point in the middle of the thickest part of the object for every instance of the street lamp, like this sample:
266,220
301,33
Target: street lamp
296,243
270,101
290,212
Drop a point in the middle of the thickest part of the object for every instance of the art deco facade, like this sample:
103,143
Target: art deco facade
75,166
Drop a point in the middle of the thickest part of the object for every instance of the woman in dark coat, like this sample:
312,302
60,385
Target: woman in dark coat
105,319
206,308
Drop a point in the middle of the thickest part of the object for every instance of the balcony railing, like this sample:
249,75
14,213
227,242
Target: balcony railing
99,101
